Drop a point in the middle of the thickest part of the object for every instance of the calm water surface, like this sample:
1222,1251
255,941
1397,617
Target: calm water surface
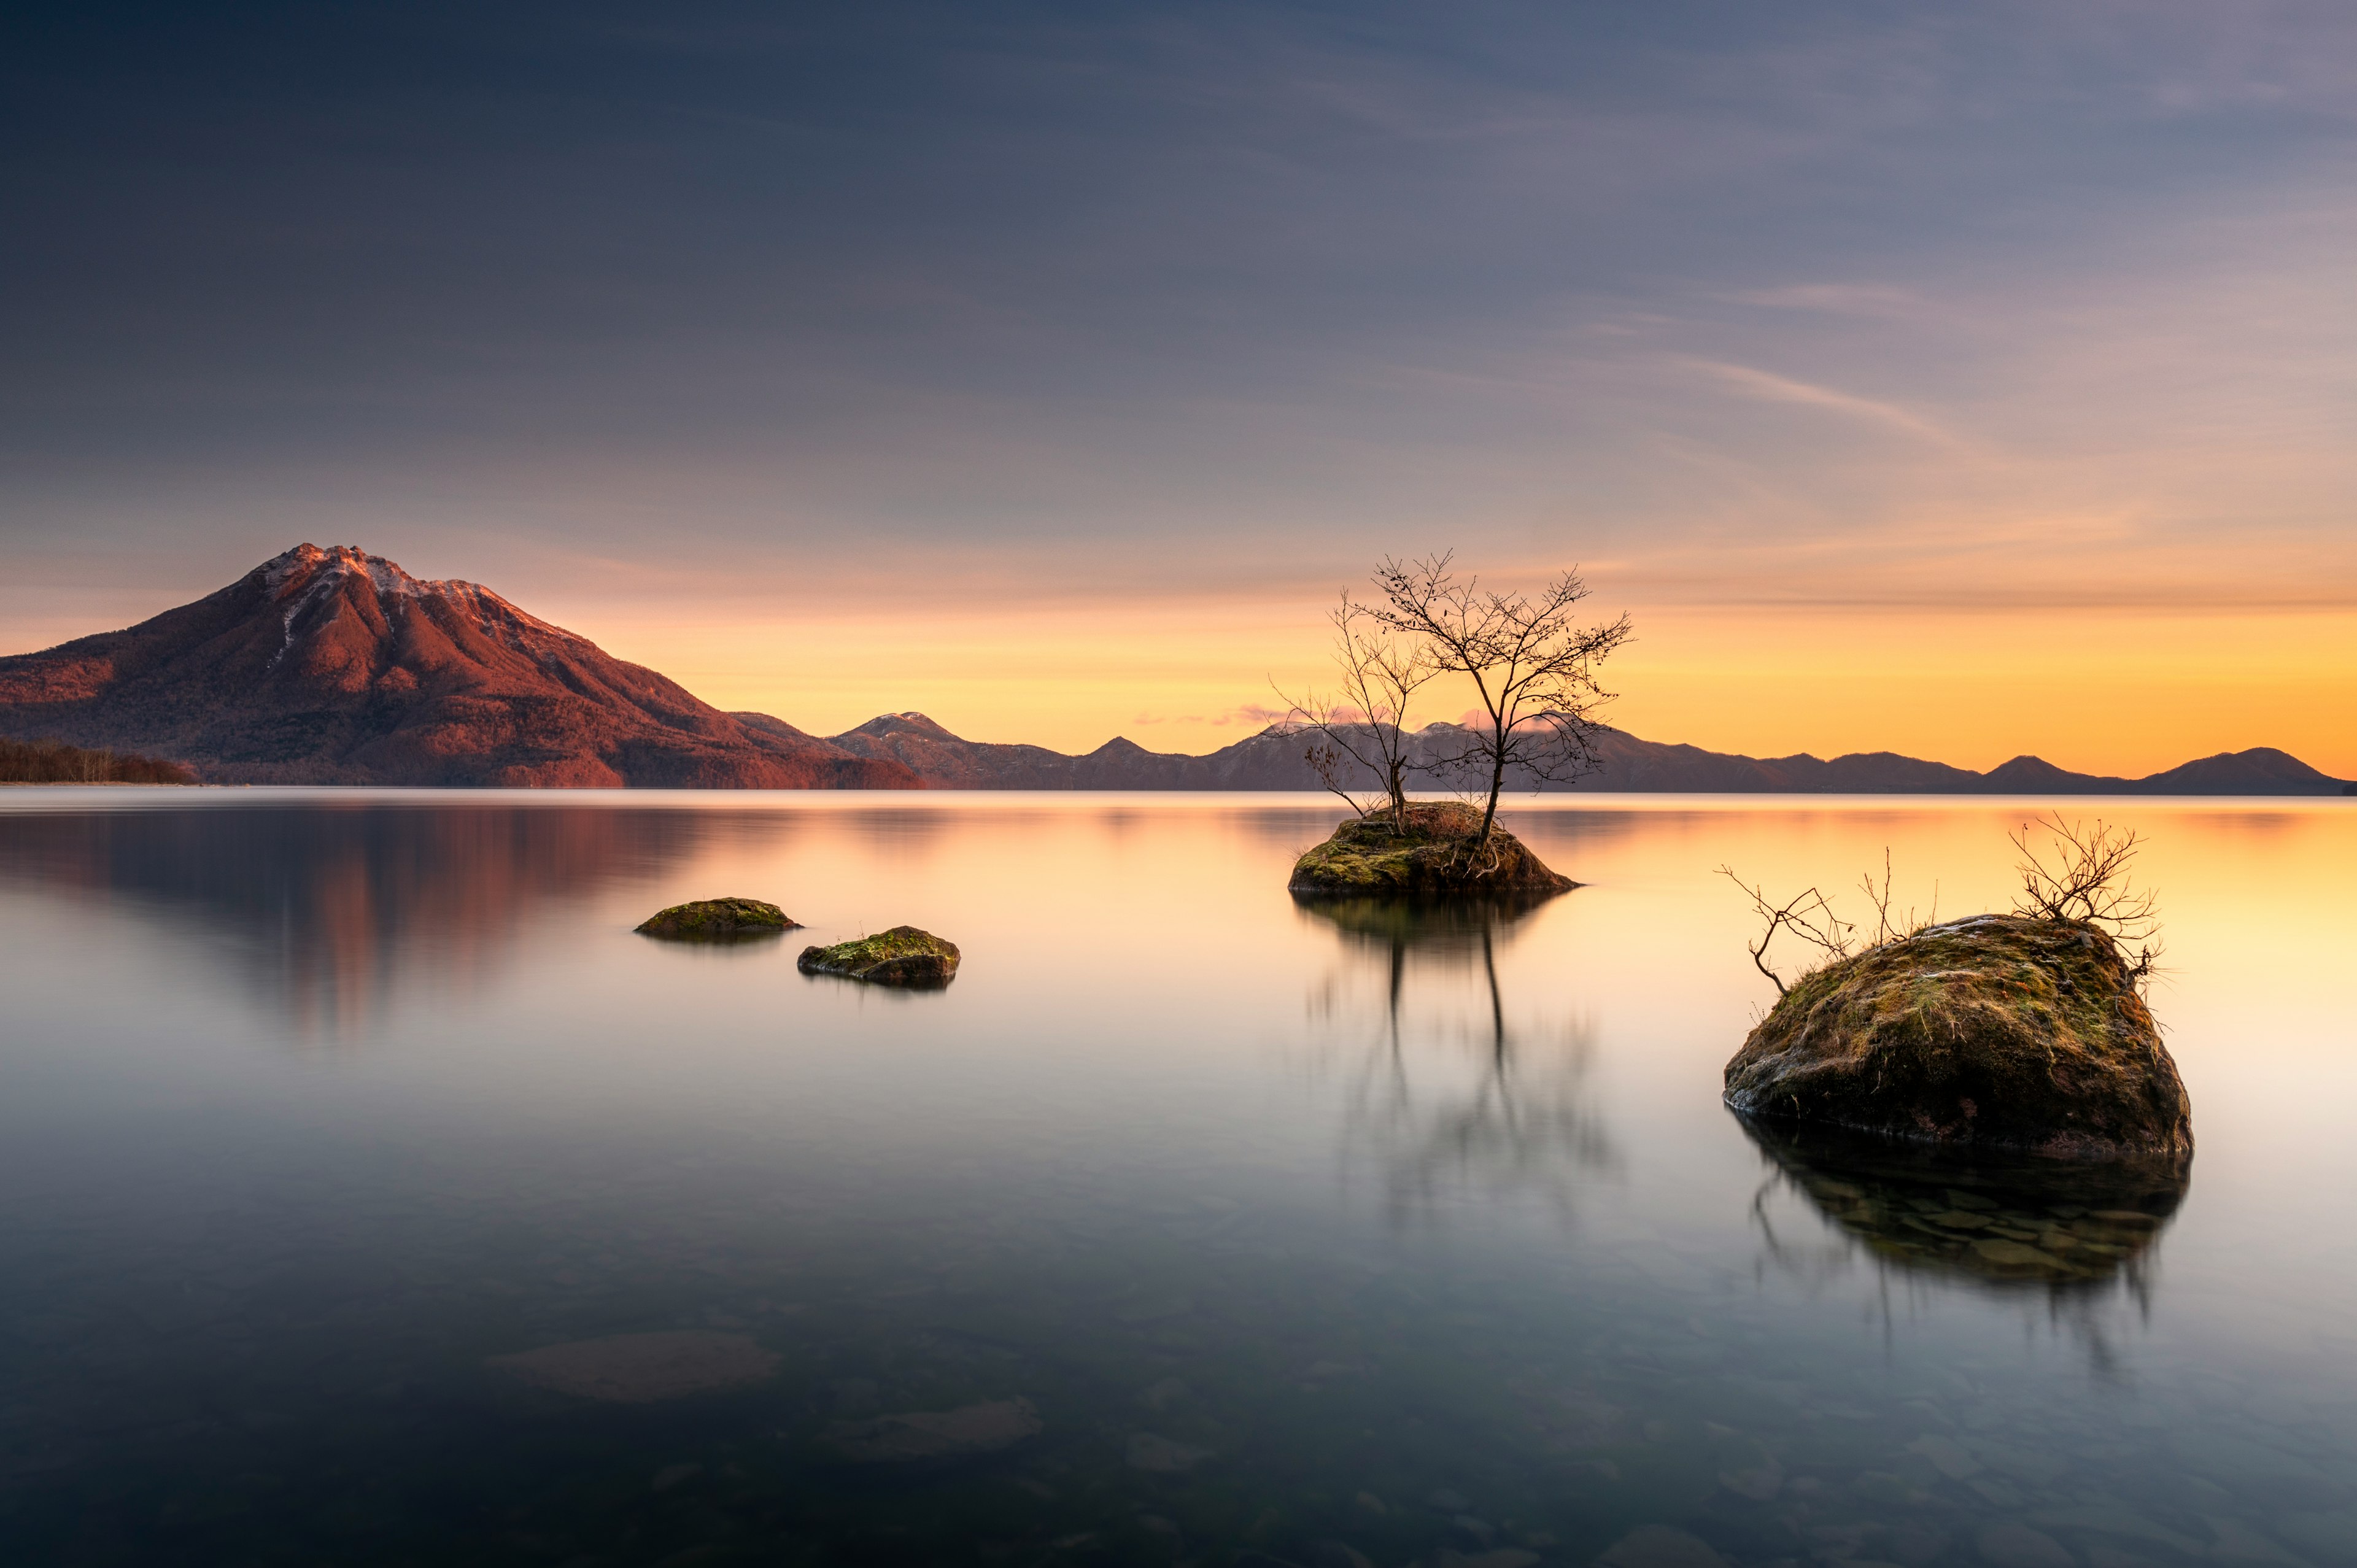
1216,1231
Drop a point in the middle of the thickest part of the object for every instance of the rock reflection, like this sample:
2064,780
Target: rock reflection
1449,1094
331,909
2067,1233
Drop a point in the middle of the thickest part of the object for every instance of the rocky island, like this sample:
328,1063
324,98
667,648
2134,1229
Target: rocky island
2000,1032
902,956
1440,850
719,920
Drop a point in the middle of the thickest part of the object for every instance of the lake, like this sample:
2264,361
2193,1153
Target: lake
370,1193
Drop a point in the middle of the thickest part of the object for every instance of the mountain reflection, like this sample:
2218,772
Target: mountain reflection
331,909
1444,1091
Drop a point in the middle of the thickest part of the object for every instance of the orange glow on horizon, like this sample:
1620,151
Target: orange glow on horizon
2126,692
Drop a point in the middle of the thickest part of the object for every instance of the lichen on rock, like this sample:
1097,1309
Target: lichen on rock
1999,1032
719,920
901,956
1438,852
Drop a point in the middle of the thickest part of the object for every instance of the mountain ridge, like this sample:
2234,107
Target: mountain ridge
1272,759
335,666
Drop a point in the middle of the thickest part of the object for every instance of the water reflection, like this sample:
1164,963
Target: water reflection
2066,1233
1450,1095
328,908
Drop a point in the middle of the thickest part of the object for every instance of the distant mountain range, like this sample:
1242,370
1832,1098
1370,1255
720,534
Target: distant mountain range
337,667
1273,760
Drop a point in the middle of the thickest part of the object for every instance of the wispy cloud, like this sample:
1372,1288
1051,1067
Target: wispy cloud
1767,386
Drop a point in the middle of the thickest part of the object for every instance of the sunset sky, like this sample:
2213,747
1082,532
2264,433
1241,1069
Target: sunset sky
1961,381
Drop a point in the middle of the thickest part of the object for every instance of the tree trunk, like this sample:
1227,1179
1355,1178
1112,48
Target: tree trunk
1497,784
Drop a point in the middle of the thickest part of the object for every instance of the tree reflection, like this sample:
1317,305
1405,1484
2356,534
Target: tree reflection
1449,1094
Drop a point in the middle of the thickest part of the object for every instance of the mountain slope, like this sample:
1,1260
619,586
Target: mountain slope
1272,759
335,666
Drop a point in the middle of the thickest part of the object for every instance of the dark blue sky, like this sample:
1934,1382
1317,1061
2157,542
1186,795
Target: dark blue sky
1741,304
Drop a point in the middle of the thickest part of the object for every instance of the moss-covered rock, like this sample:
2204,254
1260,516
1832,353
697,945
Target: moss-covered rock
1438,854
719,920
901,956
2000,1032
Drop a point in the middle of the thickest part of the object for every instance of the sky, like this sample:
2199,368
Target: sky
1964,381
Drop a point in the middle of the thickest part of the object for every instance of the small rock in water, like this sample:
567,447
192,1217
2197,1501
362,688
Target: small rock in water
903,956
1162,1456
1474,1528
1660,1546
1914,1544
1947,1455
1164,1394
670,1476
1758,1482
935,1434
718,920
637,1368
2018,1546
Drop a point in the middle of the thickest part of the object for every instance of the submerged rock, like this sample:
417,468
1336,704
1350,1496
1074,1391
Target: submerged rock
638,1368
719,920
1438,854
1990,1219
2001,1032
934,1434
901,956
1148,1451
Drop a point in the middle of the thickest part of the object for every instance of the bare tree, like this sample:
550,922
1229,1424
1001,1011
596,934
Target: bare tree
1533,664
2088,883
1365,721
1887,929
1806,915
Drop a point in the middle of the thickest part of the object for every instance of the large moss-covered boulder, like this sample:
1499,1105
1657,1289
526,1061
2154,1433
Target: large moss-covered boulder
1999,1032
719,920
1438,852
901,956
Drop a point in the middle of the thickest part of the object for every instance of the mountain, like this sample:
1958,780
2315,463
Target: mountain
1272,759
335,666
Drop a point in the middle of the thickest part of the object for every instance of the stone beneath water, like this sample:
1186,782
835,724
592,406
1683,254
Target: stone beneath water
1149,1452
1998,1032
901,956
638,1368
719,920
1660,1546
934,1434
1439,854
